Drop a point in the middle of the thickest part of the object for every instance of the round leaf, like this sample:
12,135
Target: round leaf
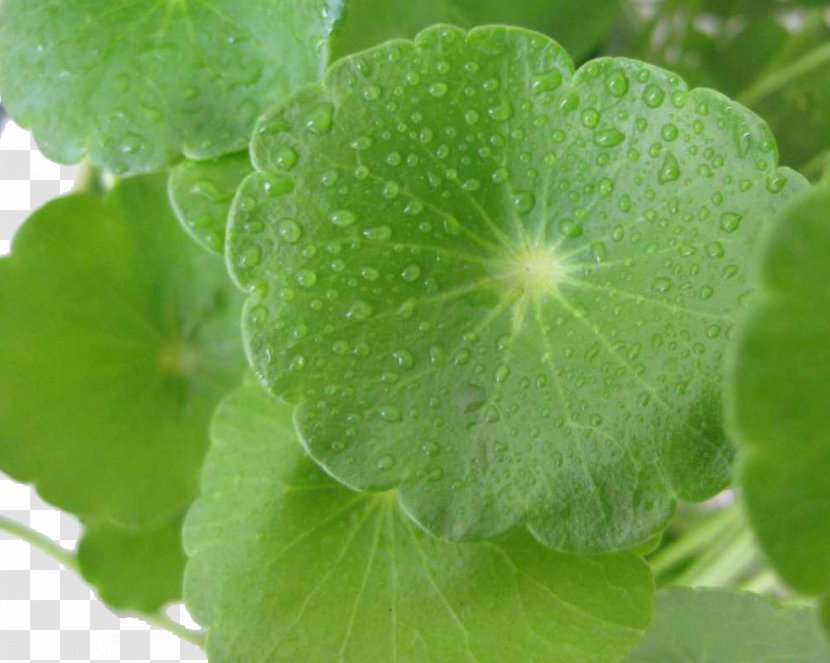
779,386
503,286
137,569
719,626
201,193
119,337
286,565
138,83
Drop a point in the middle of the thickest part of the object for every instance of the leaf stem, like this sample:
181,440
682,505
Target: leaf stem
89,179
721,566
764,582
775,81
161,620
695,540
42,543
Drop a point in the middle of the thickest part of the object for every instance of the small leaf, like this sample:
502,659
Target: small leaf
286,565
779,386
201,193
119,337
577,24
509,319
138,83
138,569
720,626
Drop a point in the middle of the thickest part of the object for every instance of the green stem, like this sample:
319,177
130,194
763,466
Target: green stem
695,540
42,543
161,620
777,80
723,566
89,179
765,582
70,561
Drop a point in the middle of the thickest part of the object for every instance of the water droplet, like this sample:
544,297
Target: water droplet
653,96
320,119
661,284
385,463
379,233
390,413
414,207
411,273
500,175
608,137
370,93
776,183
391,190
590,118
502,112
342,218
362,143
670,170
617,83
730,222
714,250
404,359
359,311
259,316
669,132
524,201
502,373
547,82
286,157
438,89
306,278
249,257
369,273
289,230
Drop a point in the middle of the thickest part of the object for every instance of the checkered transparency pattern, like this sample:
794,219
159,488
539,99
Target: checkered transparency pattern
47,613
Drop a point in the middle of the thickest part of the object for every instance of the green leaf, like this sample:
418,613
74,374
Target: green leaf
137,569
779,386
720,626
577,24
286,565
507,286
138,83
201,193
120,335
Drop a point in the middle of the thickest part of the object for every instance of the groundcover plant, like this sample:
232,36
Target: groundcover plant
394,332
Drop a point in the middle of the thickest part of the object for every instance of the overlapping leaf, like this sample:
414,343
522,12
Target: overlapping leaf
779,397
138,569
201,193
118,337
720,626
138,83
286,565
504,286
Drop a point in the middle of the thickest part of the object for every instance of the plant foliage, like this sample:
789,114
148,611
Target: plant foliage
522,283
